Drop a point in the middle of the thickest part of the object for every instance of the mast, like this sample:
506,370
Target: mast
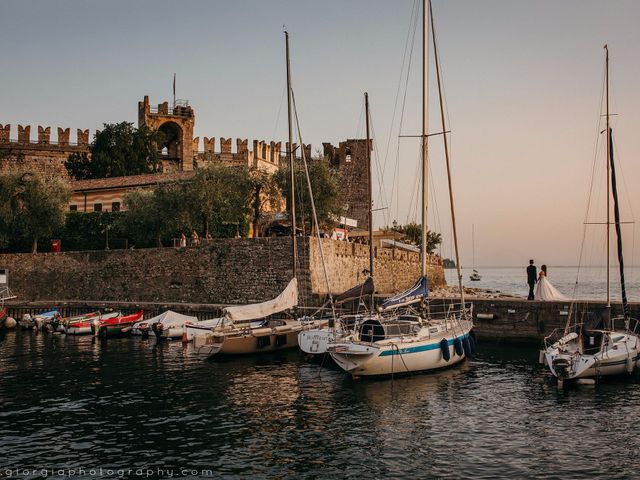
292,196
473,245
369,194
616,209
425,158
606,48
446,154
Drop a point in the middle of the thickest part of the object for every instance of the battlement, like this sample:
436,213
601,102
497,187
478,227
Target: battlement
181,109
43,138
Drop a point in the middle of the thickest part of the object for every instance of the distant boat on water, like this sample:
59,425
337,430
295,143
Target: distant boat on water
475,276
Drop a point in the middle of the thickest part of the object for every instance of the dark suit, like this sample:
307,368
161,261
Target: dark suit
531,280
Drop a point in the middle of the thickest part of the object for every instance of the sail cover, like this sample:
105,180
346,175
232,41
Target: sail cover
416,293
365,288
169,319
286,300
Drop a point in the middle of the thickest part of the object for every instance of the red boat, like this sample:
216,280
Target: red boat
117,326
81,324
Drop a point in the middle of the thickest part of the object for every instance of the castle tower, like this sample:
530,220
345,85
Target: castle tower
350,162
177,126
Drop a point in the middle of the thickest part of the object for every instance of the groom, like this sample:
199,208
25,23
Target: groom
531,279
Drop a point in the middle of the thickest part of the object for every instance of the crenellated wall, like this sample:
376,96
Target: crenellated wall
39,154
218,271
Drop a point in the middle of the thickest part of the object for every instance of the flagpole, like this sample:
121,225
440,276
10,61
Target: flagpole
174,90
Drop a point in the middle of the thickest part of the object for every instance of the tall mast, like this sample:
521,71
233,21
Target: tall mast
446,154
606,48
292,196
425,119
369,193
473,245
616,210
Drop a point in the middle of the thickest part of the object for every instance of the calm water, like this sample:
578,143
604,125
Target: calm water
592,281
129,404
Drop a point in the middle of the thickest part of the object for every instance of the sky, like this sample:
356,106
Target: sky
523,84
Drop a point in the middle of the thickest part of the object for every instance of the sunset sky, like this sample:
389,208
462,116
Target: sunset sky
523,84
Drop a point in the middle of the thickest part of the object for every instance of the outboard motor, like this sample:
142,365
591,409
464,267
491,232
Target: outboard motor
95,326
158,328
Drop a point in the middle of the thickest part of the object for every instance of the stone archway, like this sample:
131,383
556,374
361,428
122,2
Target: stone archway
171,138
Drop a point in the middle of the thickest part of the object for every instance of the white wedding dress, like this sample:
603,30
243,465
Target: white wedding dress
546,291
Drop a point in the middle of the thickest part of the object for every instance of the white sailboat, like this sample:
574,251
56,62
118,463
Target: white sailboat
315,341
475,276
599,346
254,328
408,335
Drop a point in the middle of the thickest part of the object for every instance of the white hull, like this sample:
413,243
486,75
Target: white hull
412,353
315,342
242,339
78,330
570,359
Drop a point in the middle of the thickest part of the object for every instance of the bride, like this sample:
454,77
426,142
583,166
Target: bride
546,291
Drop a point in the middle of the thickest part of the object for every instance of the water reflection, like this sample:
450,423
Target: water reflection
79,401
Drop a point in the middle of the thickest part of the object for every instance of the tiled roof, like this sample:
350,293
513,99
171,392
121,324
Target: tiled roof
130,181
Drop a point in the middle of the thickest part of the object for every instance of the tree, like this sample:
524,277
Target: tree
265,195
153,214
219,194
118,150
413,231
32,207
325,192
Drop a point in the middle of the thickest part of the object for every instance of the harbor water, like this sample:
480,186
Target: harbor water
585,283
129,407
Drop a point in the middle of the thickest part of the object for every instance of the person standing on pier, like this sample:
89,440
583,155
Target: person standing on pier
532,276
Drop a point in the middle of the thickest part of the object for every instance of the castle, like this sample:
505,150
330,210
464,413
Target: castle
181,155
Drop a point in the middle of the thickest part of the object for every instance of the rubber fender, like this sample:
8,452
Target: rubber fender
457,346
444,347
466,347
472,346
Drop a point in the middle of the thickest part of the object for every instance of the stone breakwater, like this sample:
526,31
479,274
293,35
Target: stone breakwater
220,271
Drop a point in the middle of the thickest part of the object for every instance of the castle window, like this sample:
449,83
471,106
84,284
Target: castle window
348,155
97,207
115,206
73,208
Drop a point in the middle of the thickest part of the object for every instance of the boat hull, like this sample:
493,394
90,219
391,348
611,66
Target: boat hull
567,361
388,358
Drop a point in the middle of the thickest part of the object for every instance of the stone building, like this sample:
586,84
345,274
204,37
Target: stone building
350,161
181,153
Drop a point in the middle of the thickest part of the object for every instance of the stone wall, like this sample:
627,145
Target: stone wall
42,155
528,322
219,271
394,270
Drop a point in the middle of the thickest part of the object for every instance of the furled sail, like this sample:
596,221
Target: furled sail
415,294
286,300
365,288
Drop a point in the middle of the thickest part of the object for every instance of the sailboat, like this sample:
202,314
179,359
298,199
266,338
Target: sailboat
601,345
408,335
475,276
254,328
315,341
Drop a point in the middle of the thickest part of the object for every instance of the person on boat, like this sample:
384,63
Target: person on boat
545,290
531,279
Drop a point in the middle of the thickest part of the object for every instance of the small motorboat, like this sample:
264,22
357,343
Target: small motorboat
168,324
115,327
81,324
